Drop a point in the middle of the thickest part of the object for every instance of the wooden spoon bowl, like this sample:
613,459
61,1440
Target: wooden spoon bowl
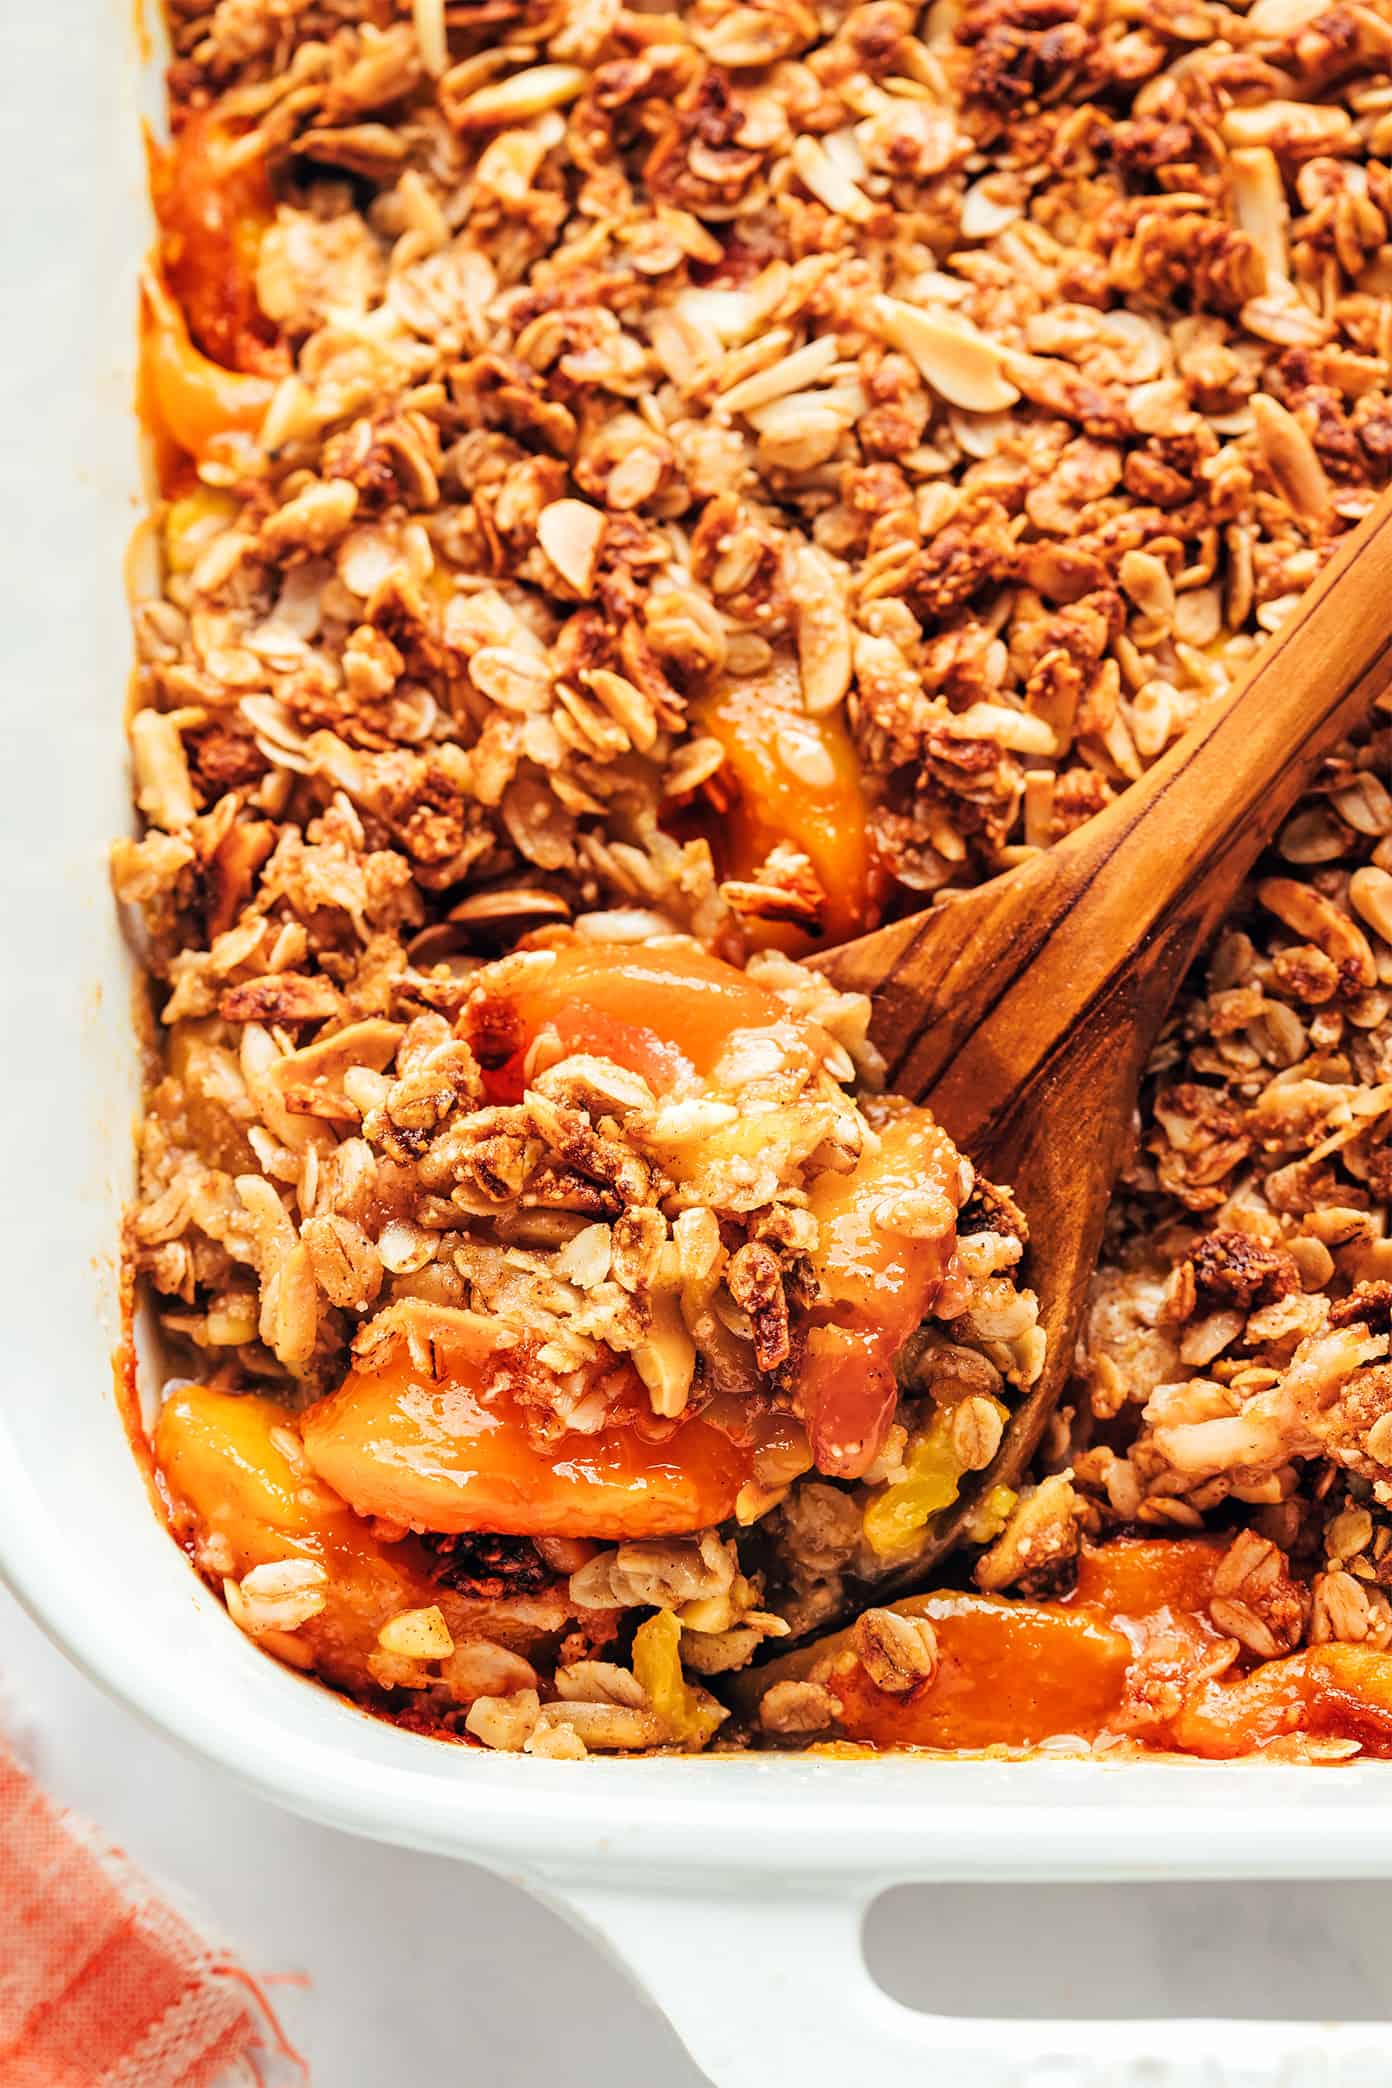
1024,1012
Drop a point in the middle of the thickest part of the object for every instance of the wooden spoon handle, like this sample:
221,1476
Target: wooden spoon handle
1169,853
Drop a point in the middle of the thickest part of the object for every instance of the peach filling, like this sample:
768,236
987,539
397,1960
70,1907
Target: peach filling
238,1483
877,1283
209,358
213,202
441,1444
1130,1653
794,781
667,1014
194,401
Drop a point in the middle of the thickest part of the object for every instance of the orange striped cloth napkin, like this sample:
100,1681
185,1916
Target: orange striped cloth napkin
104,1985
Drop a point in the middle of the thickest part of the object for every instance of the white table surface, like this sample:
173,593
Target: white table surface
423,1971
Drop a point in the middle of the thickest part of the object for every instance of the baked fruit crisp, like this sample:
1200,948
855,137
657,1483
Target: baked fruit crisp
637,498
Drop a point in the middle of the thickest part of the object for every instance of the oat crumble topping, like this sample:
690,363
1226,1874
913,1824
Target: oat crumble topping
644,488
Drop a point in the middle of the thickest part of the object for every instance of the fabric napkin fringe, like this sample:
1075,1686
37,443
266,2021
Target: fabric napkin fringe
104,1983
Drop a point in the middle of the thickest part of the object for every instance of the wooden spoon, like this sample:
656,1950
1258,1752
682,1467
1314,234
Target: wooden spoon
1023,1012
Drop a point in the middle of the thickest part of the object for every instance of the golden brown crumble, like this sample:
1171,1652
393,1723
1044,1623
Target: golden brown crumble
960,395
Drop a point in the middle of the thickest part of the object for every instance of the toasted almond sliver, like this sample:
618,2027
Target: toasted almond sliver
960,364
1259,205
429,19
823,629
1302,128
1292,460
1315,918
789,374
1015,730
982,214
525,94
569,532
829,183
607,1727
164,791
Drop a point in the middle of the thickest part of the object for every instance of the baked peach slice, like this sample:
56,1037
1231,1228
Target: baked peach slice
1011,1673
198,404
434,1436
666,1013
212,197
797,783
888,1230
238,1483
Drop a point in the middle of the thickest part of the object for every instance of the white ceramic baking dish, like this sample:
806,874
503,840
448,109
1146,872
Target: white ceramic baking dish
734,1889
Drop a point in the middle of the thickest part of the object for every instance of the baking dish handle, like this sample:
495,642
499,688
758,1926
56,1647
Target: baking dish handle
773,1987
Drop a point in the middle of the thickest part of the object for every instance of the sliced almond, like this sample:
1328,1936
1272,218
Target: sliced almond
1315,918
666,1361
371,1042
1370,891
951,355
510,163
789,374
745,37
829,183
584,1261
1291,459
717,317
1146,579
511,906
1283,18
823,628
983,213
626,705
1301,129
1015,730
280,1595
526,94
428,17
570,533
1283,317
1260,207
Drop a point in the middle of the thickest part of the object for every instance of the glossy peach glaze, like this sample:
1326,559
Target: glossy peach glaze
201,407
232,1468
667,1014
796,780
213,202
443,1445
209,358
1015,1673
876,1286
